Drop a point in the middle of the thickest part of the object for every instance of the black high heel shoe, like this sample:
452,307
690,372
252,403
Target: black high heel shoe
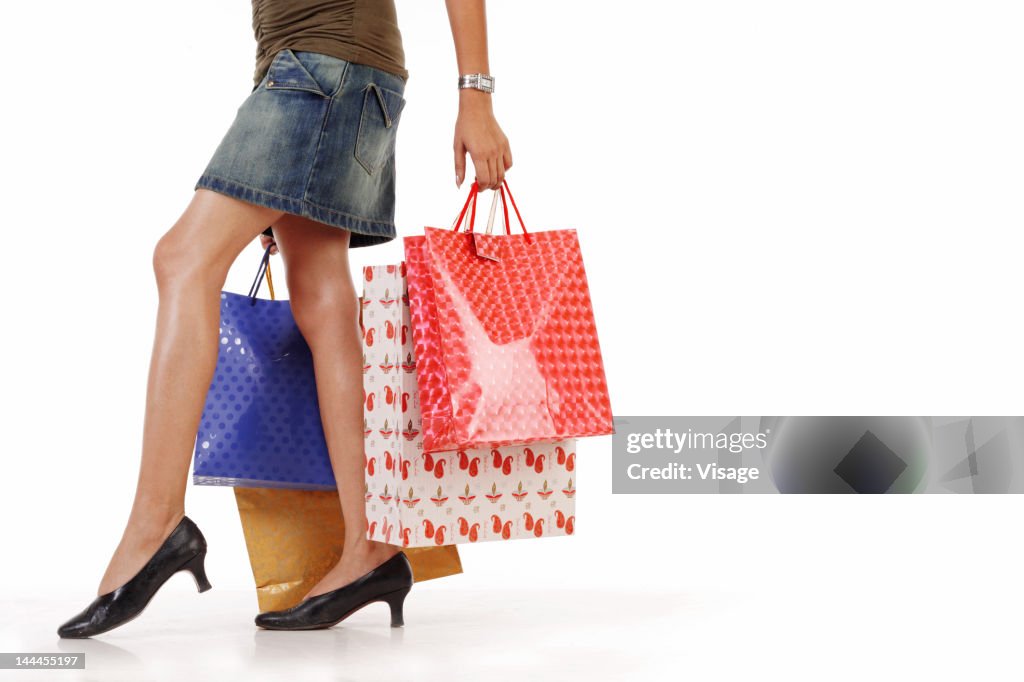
183,550
389,582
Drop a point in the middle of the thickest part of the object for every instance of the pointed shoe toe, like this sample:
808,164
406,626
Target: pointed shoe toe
72,631
275,620
76,628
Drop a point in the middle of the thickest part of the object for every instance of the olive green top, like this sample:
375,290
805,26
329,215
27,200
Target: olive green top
359,31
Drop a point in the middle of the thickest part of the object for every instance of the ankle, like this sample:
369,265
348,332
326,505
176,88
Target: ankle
154,522
362,547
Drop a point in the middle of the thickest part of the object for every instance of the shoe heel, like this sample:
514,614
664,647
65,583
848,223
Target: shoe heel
197,567
395,600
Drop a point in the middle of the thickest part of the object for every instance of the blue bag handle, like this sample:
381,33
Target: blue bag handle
264,269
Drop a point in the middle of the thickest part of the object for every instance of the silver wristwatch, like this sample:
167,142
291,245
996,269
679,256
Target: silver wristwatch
478,81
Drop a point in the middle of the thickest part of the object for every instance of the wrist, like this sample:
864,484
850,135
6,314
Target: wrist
470,98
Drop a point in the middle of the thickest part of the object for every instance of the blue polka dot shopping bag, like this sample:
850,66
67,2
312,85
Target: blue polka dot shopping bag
261,425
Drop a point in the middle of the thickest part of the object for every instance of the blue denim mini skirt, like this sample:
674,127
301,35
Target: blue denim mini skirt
316,138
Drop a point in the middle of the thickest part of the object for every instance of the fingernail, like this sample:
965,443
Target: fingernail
458,180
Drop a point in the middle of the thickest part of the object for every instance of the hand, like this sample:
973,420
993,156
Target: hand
265,241
477,132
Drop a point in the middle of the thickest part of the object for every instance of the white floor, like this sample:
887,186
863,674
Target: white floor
460,632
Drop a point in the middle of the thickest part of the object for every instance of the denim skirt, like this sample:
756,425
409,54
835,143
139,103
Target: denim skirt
316,138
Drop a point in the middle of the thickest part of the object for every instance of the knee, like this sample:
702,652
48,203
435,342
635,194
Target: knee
324,311
170,259
178,260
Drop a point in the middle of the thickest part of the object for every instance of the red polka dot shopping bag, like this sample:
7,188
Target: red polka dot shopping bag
504,335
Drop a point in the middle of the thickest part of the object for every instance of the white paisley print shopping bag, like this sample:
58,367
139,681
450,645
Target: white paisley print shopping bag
416,499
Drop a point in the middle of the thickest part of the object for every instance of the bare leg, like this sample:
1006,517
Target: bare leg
191,262
326,310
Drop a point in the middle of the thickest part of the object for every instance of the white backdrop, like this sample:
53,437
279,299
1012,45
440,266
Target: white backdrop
785,208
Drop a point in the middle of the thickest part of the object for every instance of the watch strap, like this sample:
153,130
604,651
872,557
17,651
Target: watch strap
477,81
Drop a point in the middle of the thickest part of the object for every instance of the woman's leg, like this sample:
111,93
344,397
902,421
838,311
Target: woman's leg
191,262
326,310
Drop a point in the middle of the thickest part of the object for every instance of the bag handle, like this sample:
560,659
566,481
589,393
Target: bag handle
473,190
264,269
511,199
494,205
470,205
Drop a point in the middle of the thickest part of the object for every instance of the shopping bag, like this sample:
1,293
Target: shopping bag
294,537
416,498
261,423
504,332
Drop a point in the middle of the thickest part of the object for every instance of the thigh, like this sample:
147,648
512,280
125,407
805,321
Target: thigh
213,230
316,260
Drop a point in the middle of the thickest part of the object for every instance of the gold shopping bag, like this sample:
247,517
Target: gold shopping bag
294,537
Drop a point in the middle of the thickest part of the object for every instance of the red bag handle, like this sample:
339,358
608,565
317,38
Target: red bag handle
506,190
503,189
473,190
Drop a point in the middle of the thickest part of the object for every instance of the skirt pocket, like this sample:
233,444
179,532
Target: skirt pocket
378,124
286,72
